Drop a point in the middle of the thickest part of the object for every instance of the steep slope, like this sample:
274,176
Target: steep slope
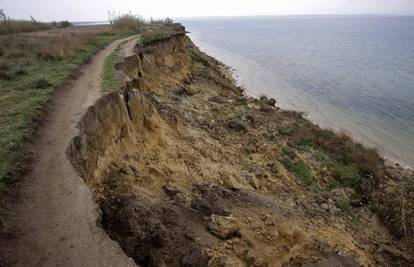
188,171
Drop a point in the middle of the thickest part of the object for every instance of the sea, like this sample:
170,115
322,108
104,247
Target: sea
352,74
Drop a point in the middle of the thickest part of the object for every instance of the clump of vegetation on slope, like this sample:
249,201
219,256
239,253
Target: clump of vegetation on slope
387,190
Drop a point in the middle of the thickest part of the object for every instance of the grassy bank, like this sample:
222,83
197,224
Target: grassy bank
111,80
32,66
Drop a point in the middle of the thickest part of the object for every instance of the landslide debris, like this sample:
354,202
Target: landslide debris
188,171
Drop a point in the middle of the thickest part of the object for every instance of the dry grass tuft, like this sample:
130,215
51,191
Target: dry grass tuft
51,44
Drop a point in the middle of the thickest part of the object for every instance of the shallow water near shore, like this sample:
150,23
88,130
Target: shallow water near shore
351,73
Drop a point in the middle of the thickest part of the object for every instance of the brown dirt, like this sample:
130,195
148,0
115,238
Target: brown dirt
56,219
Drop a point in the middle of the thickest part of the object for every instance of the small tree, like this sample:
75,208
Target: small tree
2,15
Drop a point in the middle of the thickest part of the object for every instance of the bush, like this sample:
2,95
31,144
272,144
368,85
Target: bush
61,24
41,84
126,22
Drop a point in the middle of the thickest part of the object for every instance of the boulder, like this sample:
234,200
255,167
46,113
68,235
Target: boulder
224,227
236,125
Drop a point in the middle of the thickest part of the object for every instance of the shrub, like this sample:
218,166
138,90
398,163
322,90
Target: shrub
263,99
41,84
126,22
11,71
61,24
347,176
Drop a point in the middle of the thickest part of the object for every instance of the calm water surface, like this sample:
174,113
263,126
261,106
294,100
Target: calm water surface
353,74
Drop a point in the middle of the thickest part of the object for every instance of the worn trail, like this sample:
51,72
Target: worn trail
56,218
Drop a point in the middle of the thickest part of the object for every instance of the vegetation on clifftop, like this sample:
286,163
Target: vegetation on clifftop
32,66
110,78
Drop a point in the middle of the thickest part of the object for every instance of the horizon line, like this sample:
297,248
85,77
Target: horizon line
269,16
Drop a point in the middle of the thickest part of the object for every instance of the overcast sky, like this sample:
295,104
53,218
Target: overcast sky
88,10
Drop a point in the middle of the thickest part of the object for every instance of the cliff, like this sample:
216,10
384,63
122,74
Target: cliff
188,171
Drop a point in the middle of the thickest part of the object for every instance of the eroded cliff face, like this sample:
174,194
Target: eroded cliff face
188,172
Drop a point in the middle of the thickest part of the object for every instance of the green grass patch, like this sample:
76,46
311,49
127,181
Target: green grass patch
25,92
345,207
298,167
301,170
196,58
315,188
110,79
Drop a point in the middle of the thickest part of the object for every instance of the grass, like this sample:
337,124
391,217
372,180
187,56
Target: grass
156,32
32,65
301,169
350,162
110,79
345,207
10,26
298,167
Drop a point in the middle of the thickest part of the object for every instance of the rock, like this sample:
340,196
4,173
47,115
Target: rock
231,183
224,227
335,260
184,91
253,260
226,261
325,206
194,259
236,125
342,194
170,189
216,99
253,181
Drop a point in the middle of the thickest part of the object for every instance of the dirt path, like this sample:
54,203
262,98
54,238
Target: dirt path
56,218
